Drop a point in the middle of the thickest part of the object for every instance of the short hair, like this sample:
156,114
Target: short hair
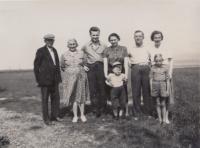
94,28
118,66
139,31
158,56
114,34
74,40
156,32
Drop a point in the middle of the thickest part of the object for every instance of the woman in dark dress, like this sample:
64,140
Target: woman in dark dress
116,53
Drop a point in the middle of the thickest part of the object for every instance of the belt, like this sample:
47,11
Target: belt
140,64
159,80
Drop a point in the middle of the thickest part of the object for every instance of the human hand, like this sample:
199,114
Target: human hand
108,83
86,68
65,102
126,77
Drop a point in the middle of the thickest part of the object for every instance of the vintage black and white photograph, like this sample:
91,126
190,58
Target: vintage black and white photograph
99,74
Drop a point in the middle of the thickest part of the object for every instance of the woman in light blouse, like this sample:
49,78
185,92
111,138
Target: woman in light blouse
158,48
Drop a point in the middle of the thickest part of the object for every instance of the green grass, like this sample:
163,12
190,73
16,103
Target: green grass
145,133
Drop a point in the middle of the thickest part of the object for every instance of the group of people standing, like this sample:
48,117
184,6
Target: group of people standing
100,73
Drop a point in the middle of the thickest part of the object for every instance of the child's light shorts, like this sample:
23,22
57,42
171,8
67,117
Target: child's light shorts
159,89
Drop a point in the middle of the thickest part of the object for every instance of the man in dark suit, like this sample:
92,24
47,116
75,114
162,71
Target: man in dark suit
48,77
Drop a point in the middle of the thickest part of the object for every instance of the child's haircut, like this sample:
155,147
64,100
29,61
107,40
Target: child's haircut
117,64
158,56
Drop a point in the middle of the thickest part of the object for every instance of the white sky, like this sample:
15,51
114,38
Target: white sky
24,23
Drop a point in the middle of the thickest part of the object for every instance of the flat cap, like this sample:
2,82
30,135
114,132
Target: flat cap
116,64
49,36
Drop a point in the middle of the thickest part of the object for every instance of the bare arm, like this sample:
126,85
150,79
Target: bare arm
168,85
85,65
62,63
105,64
170,60
126,66
151,80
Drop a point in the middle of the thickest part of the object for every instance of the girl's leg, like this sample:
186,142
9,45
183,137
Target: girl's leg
82,110
163,112
167,117
121,112
75,118
115,112
127,113
158,109
167,111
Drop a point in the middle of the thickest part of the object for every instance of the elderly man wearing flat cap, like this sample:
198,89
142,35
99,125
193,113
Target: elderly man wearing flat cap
48,77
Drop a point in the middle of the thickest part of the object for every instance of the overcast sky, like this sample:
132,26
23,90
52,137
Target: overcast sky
24,23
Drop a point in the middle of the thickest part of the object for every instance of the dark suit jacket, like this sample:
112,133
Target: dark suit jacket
46,73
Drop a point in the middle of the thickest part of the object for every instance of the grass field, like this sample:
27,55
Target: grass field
20,119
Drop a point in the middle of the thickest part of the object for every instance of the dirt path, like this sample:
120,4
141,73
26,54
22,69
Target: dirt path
21,121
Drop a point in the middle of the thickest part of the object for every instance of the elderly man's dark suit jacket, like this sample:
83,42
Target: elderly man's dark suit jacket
48,77
46,73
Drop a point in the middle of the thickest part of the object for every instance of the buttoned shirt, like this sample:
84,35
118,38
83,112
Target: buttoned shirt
52,55
114,54
159,73
139,55
93,53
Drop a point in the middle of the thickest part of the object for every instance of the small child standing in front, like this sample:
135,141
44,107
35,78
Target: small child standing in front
160,85
116,81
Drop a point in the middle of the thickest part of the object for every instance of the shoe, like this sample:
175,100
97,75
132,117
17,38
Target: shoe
75,119
120,113
167,122
48,122
116,117
54,119
126,114
98,114
59,119
83,119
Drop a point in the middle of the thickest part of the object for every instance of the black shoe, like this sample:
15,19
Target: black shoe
116,117
56,119
98,114
48,122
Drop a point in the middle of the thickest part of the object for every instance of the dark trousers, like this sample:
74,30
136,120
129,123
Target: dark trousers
51,92
140,83
108,88
118,97
97,87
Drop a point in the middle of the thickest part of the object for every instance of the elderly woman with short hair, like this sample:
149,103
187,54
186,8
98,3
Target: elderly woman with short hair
75,82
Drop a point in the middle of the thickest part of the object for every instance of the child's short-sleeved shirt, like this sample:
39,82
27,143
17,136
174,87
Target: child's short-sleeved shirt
116,81
159,73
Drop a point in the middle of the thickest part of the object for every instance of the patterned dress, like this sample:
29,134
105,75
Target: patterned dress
75,82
